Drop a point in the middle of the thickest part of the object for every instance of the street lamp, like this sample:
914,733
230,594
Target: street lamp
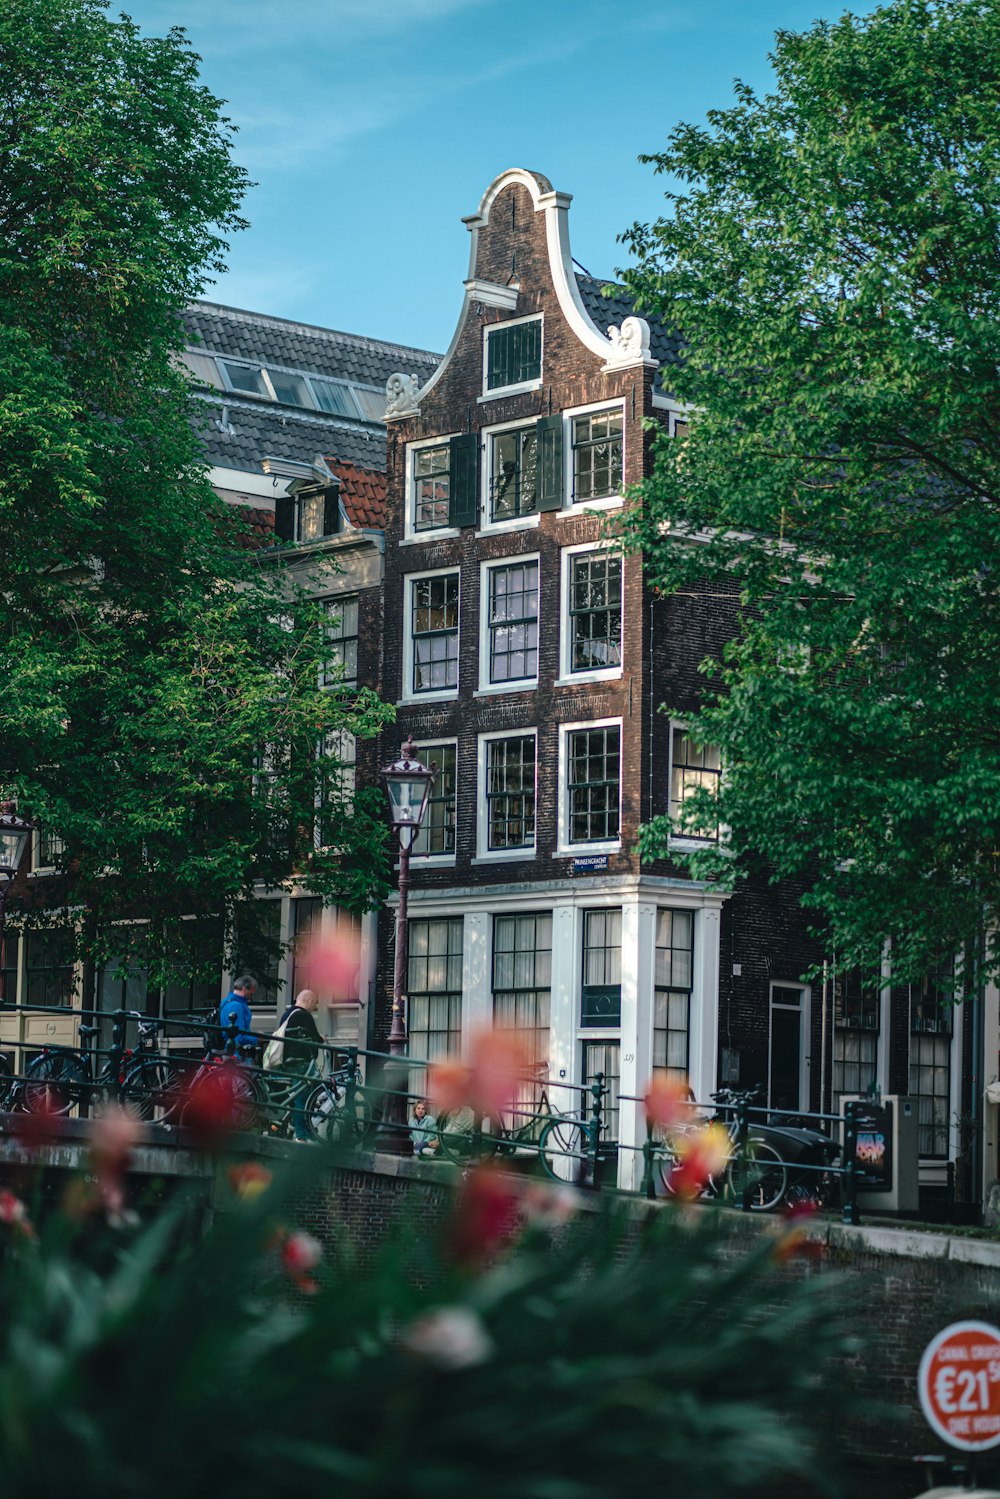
14,835
408,783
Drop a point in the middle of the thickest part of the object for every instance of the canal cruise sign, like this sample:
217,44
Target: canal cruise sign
959,1385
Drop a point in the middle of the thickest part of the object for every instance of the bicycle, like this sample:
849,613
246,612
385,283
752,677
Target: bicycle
551,1138
754,1173
337,1110
61,1078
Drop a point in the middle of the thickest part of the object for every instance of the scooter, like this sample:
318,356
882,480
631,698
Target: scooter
807,1154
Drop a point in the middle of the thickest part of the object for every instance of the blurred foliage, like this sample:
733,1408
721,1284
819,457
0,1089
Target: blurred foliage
521,1346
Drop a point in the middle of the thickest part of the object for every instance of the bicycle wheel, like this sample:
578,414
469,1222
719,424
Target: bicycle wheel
8,1088
760,1177
150,1088
329,1119
457,1137
222,1096
562,1149
54,1083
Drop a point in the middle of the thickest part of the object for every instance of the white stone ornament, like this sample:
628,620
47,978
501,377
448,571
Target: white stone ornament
401,396
629,344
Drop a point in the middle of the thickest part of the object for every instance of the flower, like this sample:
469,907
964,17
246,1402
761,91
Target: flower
112,1138
218,1102
332,965
669,1101
549,1206
489,1081
300,1254
485,1217
14,1214
249,1179
701,1154
794,1239
453,1337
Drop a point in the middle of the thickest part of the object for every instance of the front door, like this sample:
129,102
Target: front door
787,1072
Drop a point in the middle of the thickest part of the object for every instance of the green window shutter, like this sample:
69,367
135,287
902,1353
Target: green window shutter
550,463
463,490
284,518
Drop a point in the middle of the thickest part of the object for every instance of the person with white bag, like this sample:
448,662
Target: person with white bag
292,1049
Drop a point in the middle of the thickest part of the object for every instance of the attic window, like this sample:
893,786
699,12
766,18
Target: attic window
514,354
333,398
372,403
204,369
247,379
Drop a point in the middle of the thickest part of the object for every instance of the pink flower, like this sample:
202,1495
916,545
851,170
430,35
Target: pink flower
489,1081
453,1337
668,1101
332,965
701,1155
112,1139
549,1206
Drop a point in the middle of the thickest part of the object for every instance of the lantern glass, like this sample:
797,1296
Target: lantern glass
12,843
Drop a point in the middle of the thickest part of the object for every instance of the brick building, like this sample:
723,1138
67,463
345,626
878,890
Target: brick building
291,419
529,661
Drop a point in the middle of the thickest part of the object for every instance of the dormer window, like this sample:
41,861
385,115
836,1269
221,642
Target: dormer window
513,355
309,514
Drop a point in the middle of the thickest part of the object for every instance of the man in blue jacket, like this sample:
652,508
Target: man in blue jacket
236,1006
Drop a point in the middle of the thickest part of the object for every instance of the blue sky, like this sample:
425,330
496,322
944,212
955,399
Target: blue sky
372,126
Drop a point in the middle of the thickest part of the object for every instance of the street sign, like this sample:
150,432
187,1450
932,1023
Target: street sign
959,1385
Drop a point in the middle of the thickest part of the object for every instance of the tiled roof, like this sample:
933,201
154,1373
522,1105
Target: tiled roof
238,433
616,306
362,493
255,527
237,334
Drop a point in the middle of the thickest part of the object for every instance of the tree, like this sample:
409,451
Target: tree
832,261
146,658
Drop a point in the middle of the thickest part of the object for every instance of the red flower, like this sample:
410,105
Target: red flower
14,1214
218,1102
701,1155
795,1240
669,1101
300,1254
249,1179
485,1218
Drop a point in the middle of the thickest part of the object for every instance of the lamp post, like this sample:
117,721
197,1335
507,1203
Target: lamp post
14,835
408,783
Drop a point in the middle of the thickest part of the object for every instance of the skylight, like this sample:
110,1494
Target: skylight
287,387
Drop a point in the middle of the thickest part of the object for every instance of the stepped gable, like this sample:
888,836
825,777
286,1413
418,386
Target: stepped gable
362,494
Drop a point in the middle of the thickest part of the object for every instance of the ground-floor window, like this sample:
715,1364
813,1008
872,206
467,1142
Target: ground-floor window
931,1016
306,915
604,1056
601,1000
434,987
522,994
855,1033
48,967
672,993
9,951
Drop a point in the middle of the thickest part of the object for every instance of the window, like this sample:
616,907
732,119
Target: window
306,914
197,951
602,968
332,398
603,1058
522,993
597,455
289,389
513,474
203,367
431,487
594,626
434,986
672,992
49,847
247,379
513,354
510,793
336,756
48,967
371,402
258,948
341,633
692,769
434,632
311,516
855,1033
9,950
437,832
931,1015
593,773
511,592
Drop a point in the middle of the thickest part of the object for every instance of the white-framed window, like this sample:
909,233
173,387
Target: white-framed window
601,989
692,769
434,990
507,779
428,486
596,455
590,786
522,995
512,356
932,1017
673,981
436,839
336,756
508,635
857,1006
430,642
46,851
340,661
511,475
591,622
